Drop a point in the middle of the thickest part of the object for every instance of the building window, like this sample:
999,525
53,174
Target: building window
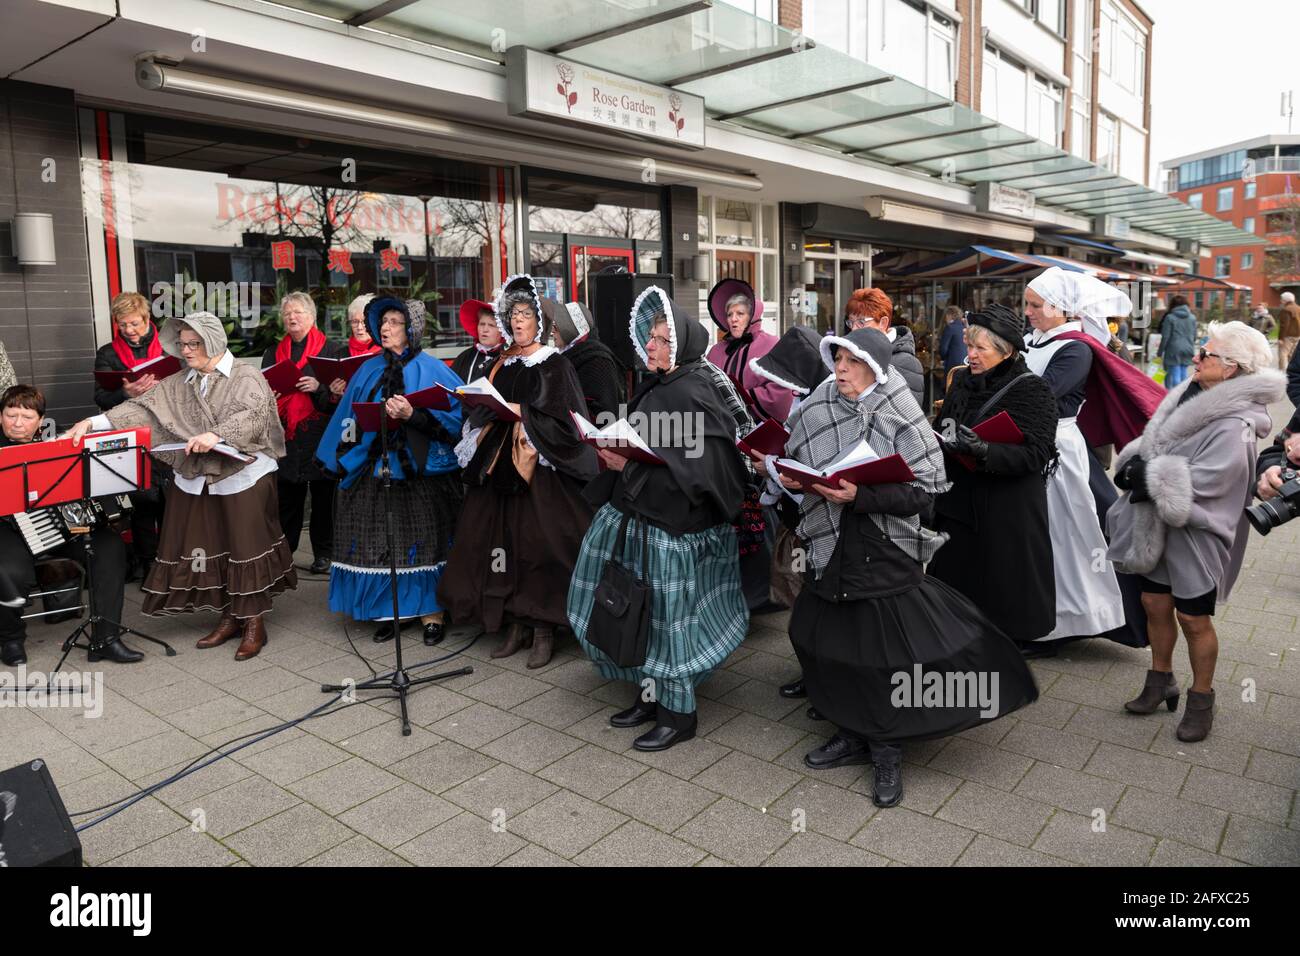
1050,13
1196,200
741,240
1212,169
1107,142
763,9
1249,190
1019,98
1200,301
902,37
1123,49
1224,199
1247,260
1222,265
1248,224
230,207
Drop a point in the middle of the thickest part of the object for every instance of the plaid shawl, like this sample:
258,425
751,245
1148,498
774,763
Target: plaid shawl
827,424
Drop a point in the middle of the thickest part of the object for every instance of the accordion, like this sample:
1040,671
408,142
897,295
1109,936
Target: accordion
44,529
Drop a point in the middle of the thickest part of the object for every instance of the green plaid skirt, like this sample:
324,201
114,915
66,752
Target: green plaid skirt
698,614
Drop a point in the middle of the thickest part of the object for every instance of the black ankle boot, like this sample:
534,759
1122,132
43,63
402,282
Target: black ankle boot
636,715
794,689
670,728
887,785
13,653
839,751
113,650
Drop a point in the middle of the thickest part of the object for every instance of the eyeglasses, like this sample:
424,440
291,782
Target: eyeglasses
521,313
660,341
859,322
189,346
1204,353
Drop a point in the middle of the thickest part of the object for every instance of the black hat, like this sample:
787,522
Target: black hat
795,362
1004,322
866,345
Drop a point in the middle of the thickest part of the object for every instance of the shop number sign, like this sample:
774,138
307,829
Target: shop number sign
550,87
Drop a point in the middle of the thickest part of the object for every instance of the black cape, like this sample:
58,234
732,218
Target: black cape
999,552
703,483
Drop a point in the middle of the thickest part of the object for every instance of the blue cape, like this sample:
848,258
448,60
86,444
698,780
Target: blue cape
336,456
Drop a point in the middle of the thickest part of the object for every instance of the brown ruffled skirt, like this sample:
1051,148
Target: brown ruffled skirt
220,553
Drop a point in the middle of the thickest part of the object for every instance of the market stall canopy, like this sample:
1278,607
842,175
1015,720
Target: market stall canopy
985,262
1195,282
754,74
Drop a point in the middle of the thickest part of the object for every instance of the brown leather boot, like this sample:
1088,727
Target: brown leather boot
543,647
254,639
226,628
515,638
1160,688
1198,717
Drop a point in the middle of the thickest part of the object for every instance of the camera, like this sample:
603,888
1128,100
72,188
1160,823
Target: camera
1275,512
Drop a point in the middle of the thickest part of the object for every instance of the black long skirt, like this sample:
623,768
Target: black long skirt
920,664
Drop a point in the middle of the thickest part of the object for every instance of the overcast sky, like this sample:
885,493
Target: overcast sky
1219,71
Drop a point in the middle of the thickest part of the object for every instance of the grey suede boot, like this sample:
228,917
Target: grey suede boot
1160,686
1198,717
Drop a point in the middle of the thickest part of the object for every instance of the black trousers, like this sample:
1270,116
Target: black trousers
293,500
17,563
146,522
879,751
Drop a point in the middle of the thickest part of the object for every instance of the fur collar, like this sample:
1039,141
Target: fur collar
1245,396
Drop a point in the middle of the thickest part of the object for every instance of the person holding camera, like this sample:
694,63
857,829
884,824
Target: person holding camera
1277,460
1180,524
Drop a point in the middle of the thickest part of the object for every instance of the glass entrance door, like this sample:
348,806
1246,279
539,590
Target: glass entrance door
586,261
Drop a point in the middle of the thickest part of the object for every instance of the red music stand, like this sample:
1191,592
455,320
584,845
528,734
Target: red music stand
44,474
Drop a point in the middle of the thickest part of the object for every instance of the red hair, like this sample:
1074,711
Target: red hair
870,304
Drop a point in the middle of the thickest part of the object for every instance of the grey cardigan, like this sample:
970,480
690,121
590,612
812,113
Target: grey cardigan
1200,471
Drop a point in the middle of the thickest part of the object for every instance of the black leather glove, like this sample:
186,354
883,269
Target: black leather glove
1133,479
968,443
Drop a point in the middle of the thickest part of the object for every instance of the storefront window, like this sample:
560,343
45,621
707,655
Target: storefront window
230,220
735,223
705,227
561,206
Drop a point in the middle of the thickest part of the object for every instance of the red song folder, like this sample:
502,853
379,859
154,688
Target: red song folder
878,472
159,368
618,437
367,413
283,377
768,438
998,430
329,369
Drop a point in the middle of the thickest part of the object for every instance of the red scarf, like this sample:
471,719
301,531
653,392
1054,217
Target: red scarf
357,347
297,407
1119,399
123,348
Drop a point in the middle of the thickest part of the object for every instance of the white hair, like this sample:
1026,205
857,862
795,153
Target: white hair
1288,296
358,305
991,339
1245,347
740,297
299,298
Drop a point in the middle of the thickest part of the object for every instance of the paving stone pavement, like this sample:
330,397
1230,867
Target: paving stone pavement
520,768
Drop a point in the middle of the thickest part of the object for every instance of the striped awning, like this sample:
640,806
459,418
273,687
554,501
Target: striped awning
986,262
1196,282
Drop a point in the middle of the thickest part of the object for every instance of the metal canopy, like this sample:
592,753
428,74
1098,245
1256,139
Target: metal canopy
756,75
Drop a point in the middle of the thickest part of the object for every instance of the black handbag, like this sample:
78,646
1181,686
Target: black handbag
620,617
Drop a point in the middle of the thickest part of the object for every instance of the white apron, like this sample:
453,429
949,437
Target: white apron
1088,599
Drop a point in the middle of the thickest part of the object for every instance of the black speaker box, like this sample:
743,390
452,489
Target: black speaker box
615,294
34,825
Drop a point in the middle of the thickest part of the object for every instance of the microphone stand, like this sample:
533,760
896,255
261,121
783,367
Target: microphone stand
399,679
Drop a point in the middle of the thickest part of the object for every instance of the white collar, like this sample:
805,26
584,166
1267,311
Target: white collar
870,388
1038,336
892,333
224,366
541,355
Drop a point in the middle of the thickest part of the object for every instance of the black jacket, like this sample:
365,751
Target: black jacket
106,360
904,360
865,563
298,463
600,376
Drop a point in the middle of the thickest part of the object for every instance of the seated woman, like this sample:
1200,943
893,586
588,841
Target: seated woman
681,512
21,409
999,550
222,509
425,491
875,634
524,517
